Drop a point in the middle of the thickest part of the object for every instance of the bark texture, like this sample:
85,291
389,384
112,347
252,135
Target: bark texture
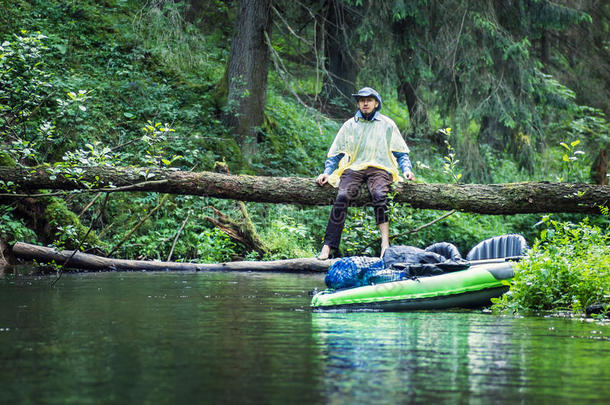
247,72
84,261
599,170
511,198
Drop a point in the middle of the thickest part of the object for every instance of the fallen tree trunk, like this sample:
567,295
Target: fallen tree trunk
511,198
85,261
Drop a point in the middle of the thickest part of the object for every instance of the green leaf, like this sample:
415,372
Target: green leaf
61,48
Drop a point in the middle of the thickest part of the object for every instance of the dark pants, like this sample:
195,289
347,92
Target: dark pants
378,182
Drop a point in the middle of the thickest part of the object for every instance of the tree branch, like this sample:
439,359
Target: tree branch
419,228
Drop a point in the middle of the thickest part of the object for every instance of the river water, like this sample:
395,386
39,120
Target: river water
208,338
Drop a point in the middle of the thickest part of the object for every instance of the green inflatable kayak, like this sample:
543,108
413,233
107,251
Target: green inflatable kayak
473,287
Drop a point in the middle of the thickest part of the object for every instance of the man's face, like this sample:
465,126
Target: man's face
367,105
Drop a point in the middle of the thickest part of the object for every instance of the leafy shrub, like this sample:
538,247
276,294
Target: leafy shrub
293,141
24,84
360,232
286,238
215,246
14,229
568,268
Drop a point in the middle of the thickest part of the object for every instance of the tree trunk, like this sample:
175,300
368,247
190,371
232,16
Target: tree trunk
84,261
247,72
512,198
407,74
341,65
599,169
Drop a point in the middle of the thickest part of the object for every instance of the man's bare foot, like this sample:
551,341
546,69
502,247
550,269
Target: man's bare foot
324,253
384,229
383,249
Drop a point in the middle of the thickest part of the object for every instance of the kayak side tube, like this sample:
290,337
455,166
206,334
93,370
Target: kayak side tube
472,287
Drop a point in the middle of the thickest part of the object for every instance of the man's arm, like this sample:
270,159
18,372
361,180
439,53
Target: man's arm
332,162
329,166
405,164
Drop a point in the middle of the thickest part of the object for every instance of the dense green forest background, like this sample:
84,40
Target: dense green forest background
482,91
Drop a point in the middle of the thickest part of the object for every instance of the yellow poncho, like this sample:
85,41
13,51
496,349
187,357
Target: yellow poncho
367,144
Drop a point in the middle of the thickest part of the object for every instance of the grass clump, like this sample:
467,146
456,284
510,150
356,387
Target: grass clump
568,268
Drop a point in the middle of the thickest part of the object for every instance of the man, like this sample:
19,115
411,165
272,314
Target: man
368,148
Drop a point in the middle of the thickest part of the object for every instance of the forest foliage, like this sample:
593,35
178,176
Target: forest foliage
482,91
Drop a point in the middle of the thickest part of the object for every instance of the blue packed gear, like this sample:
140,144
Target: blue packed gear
398,263
385,276
354,271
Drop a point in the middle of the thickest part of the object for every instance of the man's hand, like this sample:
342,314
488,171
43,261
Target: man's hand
322,179
409,176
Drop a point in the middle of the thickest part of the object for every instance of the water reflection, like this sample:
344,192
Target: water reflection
168,338
456,357
158,338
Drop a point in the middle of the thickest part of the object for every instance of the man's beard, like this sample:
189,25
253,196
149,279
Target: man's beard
367,116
